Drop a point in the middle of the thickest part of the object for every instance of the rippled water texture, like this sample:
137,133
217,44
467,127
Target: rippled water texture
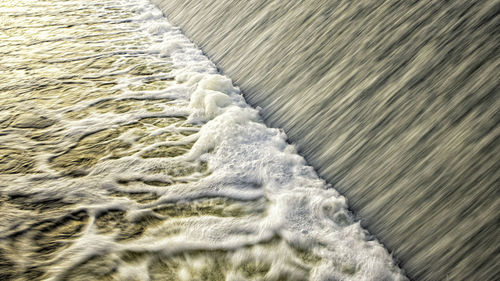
125,156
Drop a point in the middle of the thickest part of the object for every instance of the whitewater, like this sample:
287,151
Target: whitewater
126,155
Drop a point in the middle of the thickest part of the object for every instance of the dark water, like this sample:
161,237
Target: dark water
396,103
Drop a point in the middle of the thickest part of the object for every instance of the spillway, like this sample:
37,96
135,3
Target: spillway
125,154
395,103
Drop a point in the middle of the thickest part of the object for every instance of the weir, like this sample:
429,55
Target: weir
126,155
395,103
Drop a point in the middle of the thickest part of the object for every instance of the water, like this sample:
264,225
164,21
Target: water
395,103
124,155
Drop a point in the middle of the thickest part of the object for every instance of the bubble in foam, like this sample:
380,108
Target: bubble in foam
151,15
166,49
209,102
159,28
218,83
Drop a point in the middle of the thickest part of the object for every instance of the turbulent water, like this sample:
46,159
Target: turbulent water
395,103
124,155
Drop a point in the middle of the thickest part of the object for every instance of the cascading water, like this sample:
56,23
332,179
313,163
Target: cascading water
395,103
125,155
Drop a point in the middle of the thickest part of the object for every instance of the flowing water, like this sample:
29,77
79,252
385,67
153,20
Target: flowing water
124,155
395,103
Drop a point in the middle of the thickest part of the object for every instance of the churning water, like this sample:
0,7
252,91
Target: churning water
396,103
124,155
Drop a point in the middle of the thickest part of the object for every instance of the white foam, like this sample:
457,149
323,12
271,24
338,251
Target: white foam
247,162
302,209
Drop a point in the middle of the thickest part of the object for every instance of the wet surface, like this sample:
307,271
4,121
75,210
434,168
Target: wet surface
108,171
